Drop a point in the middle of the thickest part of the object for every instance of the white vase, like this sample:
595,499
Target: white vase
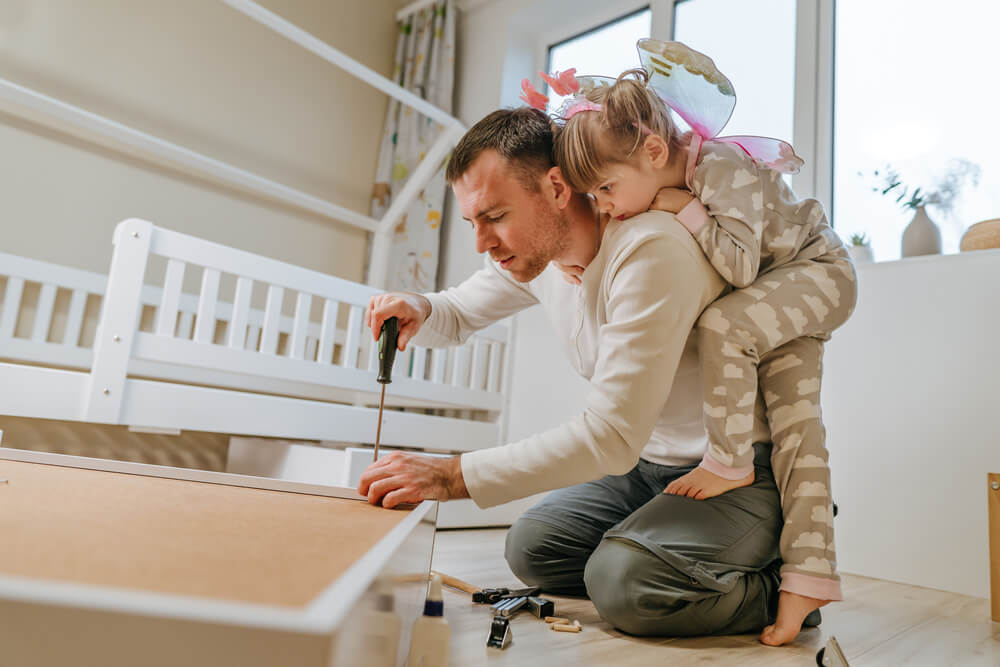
921,236
861,254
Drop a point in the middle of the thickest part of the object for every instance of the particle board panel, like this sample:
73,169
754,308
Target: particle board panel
180,537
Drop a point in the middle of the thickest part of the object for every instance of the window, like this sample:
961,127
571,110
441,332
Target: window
914,89
607,50
755,48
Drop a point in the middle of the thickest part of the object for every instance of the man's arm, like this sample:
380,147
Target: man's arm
655,294
485,297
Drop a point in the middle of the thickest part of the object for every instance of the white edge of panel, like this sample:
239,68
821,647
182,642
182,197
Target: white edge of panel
321,616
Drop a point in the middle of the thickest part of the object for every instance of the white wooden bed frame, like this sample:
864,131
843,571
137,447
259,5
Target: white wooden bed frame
207,364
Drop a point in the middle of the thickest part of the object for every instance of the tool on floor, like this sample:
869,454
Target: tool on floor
492,595
541,607
455,582
509,607
500,636
831,655
387,341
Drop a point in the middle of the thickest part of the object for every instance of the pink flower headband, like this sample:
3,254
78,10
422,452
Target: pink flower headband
562,83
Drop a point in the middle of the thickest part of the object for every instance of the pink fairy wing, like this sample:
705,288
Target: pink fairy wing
690,83
774,153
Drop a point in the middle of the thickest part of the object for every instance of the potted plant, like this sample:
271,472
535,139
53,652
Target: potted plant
922,236
860,249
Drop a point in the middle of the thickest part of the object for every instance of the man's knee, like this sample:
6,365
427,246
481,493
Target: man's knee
620,580
530,550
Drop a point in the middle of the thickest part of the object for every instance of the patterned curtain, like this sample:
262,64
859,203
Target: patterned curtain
425,65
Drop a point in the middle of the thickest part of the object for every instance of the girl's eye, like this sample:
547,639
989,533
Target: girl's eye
605,188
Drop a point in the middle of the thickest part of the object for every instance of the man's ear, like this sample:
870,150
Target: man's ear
561,192
657,150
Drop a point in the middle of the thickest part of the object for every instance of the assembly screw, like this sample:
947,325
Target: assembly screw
995,485
135,235
107,392
117,339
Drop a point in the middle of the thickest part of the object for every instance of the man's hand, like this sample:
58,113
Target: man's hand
411,310
401,477
671,200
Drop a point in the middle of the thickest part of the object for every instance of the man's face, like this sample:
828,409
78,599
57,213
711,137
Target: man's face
521,230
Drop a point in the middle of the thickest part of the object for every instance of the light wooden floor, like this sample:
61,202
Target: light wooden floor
879,623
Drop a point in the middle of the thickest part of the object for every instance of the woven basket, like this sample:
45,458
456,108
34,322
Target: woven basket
982,236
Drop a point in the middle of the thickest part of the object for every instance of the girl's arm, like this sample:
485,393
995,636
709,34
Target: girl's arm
727,217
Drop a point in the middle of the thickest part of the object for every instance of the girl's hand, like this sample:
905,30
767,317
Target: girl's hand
671,200
571,273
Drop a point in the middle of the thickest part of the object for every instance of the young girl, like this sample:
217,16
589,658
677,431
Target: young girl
794,284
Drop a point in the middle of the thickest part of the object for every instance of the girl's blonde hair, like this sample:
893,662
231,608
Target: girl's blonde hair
590,141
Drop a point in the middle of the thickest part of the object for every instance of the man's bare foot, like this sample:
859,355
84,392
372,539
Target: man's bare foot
700,484
792,611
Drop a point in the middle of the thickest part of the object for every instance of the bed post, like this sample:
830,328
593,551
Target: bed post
120,313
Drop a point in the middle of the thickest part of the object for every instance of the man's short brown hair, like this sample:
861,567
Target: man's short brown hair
522,137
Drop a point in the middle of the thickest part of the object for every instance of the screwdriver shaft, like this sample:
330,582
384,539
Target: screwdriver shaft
378,429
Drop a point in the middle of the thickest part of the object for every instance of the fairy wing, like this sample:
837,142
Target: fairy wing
690,84
774,153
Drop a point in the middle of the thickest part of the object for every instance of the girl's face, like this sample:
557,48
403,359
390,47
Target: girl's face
628,188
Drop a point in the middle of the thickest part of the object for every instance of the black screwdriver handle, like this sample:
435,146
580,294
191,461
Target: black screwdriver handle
387,340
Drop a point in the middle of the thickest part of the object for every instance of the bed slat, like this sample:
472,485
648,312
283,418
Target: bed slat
241,311
440,360
272,317
350,356
460,369
494,376
43,314
297,344
419,363
74,320
204,326
327,332
166,319
11,306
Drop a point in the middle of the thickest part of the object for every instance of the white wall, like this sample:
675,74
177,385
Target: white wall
910,390
201,75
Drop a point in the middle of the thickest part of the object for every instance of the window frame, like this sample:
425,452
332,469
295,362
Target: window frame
814,77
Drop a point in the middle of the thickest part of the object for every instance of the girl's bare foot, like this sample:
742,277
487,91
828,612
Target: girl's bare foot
792,610
700,484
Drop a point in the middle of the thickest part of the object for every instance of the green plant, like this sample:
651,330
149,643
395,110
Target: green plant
859,239
942,197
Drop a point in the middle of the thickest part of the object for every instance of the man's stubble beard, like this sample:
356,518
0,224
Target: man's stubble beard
553,240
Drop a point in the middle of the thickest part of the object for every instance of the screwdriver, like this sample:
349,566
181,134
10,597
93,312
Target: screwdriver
387,340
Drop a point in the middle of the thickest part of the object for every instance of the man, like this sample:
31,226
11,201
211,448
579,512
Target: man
653,564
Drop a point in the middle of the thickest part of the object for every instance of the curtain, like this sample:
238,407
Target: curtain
424,65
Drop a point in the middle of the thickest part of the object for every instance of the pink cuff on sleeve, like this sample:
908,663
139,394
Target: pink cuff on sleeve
813,587
724,471
693,216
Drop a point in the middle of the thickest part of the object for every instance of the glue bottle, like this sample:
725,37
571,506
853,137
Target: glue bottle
431,634
383,628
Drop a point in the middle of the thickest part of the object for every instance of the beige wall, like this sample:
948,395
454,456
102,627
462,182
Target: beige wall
201,75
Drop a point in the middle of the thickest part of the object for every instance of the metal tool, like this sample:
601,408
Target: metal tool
831,655
508,608
541,607
387,340
499,636
491,595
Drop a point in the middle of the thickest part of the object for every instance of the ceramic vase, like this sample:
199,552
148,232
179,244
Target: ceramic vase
921,236
861,254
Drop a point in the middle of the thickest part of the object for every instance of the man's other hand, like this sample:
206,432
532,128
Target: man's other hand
411,310
402,477
671,200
